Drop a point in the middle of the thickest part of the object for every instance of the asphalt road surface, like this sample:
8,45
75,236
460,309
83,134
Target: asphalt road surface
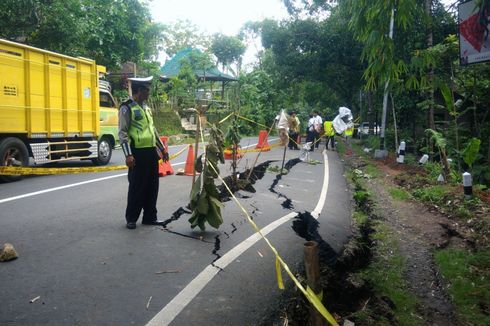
86,268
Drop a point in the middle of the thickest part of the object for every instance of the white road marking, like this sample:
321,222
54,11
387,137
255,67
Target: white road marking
40,192
184,297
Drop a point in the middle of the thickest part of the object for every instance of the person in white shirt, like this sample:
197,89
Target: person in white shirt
310,132
317,128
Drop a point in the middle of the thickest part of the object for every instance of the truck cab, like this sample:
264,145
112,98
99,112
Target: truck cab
108,138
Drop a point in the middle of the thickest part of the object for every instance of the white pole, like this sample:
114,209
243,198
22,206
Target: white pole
468,185
424,159
385,96
401,153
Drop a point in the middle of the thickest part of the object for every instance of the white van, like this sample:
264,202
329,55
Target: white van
364,129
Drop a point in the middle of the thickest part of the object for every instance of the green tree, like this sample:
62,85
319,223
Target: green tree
111,32
182,34
315,63
228,50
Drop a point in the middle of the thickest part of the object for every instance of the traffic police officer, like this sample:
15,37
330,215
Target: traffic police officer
143,148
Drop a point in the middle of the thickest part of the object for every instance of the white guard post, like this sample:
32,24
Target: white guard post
424,159
468,185
401,153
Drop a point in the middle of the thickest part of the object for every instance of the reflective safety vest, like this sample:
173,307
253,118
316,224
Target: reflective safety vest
349,131
328,127
141,129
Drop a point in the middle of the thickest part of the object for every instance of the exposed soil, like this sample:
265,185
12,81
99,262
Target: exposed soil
419,230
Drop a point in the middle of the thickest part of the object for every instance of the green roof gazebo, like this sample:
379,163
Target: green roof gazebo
172,67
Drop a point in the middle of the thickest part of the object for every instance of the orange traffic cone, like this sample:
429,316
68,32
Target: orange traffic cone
189,163
228,153
165,168
263,141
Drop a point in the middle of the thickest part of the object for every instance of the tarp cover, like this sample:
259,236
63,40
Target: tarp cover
343,120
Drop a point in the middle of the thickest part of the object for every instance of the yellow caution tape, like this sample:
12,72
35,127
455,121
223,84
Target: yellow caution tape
171,157
249,120
11,170
319,295
226,118
14,170
309,294
254,150
280,283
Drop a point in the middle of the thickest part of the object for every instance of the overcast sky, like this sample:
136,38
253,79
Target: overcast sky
218,16
213,16
221,16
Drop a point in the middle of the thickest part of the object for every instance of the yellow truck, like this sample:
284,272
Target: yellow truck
53,108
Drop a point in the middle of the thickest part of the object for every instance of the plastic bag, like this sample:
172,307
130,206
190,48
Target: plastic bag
304,154
343,120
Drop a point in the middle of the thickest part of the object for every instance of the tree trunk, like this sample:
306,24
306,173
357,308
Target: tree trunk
394,121
370,113
488,153
430,43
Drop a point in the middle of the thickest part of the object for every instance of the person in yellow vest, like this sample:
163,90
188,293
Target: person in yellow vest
329,134
349,132
143,148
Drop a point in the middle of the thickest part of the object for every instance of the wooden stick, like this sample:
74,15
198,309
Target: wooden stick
312,267
148,303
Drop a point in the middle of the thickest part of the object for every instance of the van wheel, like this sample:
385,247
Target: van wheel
13,152
104,152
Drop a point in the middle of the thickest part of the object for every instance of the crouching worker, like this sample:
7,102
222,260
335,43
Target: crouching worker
143,148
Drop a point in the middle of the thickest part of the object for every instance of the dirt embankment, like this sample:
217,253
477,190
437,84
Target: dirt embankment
416,230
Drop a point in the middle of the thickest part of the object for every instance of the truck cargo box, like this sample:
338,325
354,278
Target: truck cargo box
47,95
53,108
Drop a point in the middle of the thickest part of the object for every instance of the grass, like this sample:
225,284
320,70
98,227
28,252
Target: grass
361,198
386,275
360,217
469,277
466,272
400,194
341,148
433,195
167,123
372,170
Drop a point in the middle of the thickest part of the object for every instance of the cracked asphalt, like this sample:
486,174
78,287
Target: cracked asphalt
88,269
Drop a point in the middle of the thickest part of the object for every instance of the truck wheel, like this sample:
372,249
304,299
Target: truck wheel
104,152
13,152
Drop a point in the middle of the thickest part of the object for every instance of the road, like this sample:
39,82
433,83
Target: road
77,256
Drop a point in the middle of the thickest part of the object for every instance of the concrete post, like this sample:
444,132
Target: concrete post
468,185
424,159
401,153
